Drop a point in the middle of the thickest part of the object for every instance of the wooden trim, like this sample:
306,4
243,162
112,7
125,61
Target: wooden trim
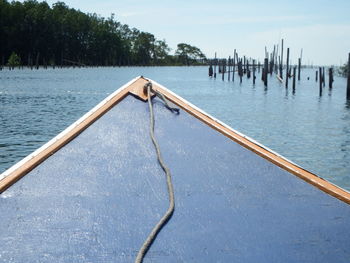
136,88
307,176
17,173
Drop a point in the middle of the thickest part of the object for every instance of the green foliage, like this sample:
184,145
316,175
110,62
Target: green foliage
62,35
14,60
188,54
161,49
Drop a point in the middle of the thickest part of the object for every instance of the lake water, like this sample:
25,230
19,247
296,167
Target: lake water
311,130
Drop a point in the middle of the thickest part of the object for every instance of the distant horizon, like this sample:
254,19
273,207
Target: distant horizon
320,28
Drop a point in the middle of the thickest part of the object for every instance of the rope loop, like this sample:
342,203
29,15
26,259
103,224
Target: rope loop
161,96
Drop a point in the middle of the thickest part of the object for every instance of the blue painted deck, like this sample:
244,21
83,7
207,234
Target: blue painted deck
96,200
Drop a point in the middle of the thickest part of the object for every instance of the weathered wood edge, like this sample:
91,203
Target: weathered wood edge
135,87
16,172
262,151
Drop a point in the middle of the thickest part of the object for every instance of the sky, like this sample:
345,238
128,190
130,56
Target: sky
320,27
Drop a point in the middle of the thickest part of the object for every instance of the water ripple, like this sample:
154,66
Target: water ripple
310,130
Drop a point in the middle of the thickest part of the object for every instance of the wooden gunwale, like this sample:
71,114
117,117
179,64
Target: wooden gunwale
264,152
62,139
135,87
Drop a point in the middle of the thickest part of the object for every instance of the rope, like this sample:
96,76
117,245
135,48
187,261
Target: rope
161,96
151,237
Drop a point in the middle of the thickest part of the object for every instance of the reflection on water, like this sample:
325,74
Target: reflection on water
309,129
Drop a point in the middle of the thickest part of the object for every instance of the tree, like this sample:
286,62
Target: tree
41,34
143,48
161,51
188,54
14,60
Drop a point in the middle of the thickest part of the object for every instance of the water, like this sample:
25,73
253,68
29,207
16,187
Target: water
310,130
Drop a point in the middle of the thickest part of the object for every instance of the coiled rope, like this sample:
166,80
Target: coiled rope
148,242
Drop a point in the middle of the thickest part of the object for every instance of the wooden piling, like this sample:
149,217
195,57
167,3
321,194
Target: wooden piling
247,66
234,65
240,69
294,73
330,82
266,65
272,60
271,65
210,70
244,65
316,78
281,64
229,68
223,69
323,77
320,82
254,72
276,61
287,69
215,62
299,65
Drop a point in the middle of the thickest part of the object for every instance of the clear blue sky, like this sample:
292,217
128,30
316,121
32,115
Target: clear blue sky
320,27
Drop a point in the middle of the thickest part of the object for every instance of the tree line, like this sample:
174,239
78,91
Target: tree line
33,33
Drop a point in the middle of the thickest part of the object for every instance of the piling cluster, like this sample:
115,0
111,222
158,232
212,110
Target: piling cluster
273,64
